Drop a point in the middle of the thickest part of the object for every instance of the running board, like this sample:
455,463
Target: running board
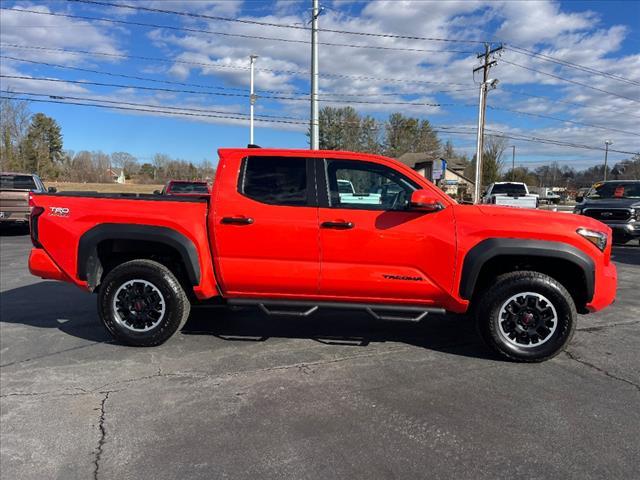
400,313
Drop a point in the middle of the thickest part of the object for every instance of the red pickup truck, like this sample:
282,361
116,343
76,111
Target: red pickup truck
277,232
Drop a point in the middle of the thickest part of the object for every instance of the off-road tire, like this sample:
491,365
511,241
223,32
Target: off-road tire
491,301
176,304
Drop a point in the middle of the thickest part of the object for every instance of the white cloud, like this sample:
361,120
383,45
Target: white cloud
55,32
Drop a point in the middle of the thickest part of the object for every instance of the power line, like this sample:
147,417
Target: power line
278,25
168,107
446,130
566,63
569,81
216,66
225,94
565,120
551,141
147,79
565,102
149,110
227,34
116,105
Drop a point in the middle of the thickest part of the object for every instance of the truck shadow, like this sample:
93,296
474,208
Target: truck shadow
444,333
55,305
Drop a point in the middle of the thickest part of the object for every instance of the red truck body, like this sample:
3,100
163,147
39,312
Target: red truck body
235,247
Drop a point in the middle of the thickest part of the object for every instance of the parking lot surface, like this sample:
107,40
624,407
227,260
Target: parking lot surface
240,395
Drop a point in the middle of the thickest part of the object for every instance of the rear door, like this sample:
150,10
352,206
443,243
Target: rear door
266,227
373,248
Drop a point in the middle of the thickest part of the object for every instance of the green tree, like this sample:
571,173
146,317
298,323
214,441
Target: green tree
42,146
405,134
345,129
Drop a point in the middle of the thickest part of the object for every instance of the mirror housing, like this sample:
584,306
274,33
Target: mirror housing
52,190
424,201
579,198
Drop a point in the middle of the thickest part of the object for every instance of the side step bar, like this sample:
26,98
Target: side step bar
401,313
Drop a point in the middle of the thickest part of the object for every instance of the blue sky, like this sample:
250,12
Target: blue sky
600,35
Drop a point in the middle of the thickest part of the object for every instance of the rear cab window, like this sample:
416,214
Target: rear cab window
277,180
186,187
516,189
18,182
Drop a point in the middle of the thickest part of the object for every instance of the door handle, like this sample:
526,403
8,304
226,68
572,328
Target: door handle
237,220
337,225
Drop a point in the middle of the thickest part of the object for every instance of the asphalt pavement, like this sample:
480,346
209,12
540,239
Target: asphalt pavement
240,395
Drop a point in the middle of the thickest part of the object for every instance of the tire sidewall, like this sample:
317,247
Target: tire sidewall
163,281
559,298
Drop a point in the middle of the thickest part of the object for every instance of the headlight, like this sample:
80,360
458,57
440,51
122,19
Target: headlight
637,211
599,239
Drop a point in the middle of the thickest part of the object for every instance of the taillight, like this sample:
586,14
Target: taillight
33,224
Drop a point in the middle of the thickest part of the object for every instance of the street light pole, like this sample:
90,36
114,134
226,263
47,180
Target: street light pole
606,154
252,98
513,163
315,124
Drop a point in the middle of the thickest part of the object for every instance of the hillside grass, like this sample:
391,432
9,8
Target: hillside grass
103,187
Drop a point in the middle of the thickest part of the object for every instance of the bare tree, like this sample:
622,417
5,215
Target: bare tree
14,123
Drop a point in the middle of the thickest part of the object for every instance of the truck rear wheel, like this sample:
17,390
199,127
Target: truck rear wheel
526,316
142,303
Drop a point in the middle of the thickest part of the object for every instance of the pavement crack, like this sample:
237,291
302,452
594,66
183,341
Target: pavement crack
103,434
603,327
39,394
601,370
17,362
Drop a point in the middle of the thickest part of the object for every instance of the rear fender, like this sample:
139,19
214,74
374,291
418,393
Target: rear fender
89,267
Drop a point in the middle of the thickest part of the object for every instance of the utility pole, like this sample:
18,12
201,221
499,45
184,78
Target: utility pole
486,84
252,99
315,123
606,154
513,162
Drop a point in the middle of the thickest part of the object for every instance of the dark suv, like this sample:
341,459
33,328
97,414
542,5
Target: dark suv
616,203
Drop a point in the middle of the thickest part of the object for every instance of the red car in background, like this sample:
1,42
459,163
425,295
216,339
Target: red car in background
185,188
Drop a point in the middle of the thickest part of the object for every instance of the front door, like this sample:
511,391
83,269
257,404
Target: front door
373,248
266,227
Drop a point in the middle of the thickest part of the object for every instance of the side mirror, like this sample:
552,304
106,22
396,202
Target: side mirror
424,201
579,198
52,190
157,192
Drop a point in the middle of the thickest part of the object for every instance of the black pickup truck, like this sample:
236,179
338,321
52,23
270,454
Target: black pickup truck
616,203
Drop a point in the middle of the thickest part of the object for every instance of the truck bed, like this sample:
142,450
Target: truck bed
68,216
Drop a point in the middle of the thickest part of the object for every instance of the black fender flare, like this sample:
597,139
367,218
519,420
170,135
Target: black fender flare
89,268
494,247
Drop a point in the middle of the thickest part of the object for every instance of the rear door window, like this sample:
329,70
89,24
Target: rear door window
275,180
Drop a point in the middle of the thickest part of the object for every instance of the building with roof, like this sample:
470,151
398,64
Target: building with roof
446,174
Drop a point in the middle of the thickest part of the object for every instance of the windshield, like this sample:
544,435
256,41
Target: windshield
509,189
189,188
615,190
17,182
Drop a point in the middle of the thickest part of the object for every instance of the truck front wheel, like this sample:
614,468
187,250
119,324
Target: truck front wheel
526,316
142,303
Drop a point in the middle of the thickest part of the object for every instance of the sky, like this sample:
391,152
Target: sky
181,82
